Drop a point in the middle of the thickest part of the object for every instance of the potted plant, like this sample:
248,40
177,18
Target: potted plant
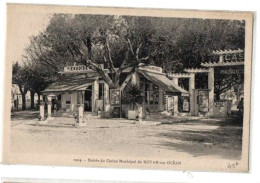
132,95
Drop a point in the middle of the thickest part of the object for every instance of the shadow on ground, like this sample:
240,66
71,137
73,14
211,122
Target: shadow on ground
225,140
24,115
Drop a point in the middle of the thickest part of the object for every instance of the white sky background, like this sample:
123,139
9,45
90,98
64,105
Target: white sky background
28,25
27,171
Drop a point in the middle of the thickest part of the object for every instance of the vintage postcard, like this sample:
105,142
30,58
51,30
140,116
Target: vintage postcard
33,180
127,88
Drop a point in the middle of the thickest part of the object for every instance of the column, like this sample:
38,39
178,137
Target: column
175,106
73,101
41,111
191,92
175,81
175,99
49,106
140,113
106,98
161,107
83,99
211,90
80,115
95,89
166,103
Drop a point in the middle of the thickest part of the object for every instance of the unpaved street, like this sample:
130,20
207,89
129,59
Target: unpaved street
202,138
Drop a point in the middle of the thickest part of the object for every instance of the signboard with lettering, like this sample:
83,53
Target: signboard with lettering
185,104
115,97
203,99
230,71
220,109
233,57
75,68
151,68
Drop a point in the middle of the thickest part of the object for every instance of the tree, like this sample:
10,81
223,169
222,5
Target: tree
133,95
21,78
186,43
116,42
39,80
121,42
224,82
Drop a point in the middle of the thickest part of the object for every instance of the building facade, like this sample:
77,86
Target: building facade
79,85
75,88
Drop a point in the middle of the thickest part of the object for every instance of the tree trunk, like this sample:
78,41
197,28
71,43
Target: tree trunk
39,98
23,101
23,93
32,99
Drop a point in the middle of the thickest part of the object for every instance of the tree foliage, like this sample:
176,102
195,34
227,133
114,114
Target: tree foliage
121,42
21,78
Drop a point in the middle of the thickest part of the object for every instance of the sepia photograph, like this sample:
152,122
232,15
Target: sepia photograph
127,88
38,180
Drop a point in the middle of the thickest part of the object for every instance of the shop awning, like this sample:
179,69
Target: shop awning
70,83
162,81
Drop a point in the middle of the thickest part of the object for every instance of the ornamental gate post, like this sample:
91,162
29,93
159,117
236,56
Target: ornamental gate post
41,111
49,106
80,114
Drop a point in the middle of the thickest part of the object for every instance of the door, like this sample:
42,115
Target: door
88,99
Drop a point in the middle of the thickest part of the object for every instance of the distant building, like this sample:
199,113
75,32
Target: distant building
16,98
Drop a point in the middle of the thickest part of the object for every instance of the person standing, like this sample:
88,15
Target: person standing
240,106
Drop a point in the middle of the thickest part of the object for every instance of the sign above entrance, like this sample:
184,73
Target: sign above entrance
151,68
231,71
76,68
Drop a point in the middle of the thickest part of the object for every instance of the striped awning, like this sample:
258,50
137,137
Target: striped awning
162,81
70,83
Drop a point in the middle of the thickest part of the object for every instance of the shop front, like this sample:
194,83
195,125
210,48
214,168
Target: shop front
160,93
72,90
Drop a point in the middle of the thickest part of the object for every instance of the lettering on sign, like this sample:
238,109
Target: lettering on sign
231,71
234,57
76,68
152,68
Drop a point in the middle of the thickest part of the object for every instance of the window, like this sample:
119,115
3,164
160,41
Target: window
101,91
151,94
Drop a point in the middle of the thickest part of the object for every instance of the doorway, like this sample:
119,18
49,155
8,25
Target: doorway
88,99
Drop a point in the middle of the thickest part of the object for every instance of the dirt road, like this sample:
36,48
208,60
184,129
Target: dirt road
202,138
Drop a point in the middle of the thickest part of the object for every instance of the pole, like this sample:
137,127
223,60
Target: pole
17,102
120,103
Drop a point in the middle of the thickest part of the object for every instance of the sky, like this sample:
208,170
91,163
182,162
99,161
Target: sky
21,26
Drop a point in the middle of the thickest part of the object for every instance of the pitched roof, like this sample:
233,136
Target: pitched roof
162,81
70,82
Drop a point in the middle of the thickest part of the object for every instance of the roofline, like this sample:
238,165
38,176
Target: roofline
215,64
